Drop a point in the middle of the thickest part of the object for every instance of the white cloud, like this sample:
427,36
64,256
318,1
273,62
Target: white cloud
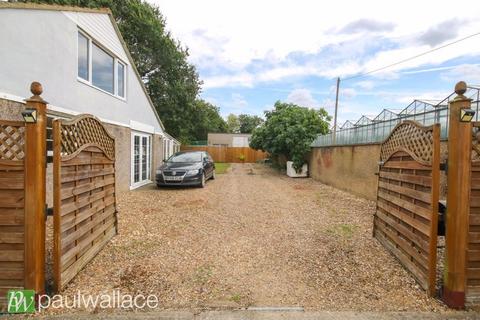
431,97
442,32
211,100
243,79
237,104
367,25
302,97
470,73
348,93
238,101
244,30
399,99
366,84
243,43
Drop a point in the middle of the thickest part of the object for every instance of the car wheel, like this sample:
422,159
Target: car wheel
213,174
203,182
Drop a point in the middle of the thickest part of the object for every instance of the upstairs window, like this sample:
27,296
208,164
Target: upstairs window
100,68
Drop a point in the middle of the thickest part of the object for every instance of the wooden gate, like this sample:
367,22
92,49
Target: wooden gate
12,204
22,199
85,215
406,216
472,294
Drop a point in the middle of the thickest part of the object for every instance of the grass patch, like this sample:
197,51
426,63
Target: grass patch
236,298
221,167
342,230
202,275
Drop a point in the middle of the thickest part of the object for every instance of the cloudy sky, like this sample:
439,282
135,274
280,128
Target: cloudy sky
250,53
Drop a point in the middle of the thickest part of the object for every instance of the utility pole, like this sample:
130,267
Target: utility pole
335,117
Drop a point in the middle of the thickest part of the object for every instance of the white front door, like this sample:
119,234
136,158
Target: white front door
141,159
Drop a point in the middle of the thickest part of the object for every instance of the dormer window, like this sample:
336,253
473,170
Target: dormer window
99,68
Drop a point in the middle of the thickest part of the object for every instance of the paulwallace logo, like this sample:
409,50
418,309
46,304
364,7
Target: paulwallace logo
21,301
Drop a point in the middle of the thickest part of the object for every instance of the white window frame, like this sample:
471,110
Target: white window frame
165,156
116,61
140,183
167,148
119,62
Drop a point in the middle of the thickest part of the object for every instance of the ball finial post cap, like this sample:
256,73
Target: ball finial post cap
461,88
36,88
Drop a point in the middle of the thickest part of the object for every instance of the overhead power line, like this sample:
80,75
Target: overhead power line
411,58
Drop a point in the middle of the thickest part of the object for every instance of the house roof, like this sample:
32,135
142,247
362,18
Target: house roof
49,7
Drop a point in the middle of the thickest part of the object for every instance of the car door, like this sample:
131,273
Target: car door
207,164
212,163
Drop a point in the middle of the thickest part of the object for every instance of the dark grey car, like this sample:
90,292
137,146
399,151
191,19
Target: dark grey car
186,168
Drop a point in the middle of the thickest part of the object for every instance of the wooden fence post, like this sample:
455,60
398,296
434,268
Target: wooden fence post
458,200
35,192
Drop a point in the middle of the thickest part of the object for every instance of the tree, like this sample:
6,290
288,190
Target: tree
233,124
208,120
248,122
289,130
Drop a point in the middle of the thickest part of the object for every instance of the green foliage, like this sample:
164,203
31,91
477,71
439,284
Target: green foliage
172,82
207,119
248,123
243,123
289,130
233,124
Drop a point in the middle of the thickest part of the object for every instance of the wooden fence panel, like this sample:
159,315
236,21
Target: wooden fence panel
230,154
12,207
85,215
472,294
406,217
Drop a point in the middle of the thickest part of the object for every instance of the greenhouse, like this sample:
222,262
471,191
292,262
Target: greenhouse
366,130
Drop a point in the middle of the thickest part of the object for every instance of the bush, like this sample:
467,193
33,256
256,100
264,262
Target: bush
289,130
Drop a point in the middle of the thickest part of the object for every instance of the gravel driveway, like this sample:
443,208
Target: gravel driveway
252,237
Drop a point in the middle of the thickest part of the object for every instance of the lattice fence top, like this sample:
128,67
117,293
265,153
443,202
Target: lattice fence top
12,140
83,131
411,137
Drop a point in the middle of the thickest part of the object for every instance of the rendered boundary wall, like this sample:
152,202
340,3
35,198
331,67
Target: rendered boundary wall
353,168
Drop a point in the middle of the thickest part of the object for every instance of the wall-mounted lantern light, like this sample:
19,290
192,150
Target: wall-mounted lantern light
29,115
466,115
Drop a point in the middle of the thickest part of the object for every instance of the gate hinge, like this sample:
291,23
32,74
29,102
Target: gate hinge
48,211
49,157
